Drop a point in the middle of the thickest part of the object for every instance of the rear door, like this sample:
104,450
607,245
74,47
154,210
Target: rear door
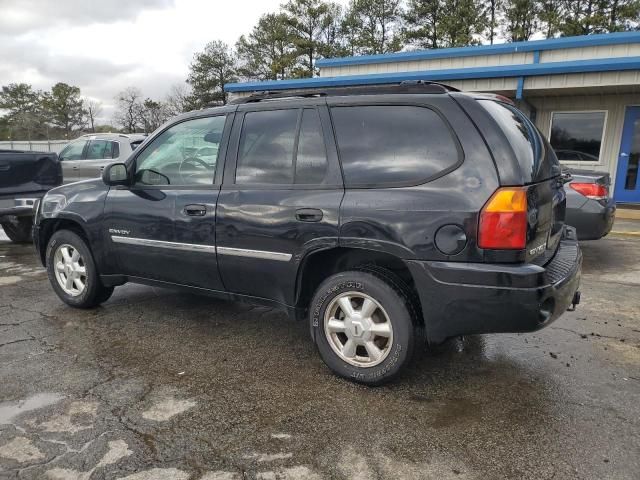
539,170
280,197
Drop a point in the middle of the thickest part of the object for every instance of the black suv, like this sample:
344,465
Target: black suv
387,216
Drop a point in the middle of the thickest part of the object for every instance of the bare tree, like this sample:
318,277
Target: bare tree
153,114
178,100
129,109
94,110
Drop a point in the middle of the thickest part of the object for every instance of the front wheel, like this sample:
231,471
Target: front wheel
72,271
364,326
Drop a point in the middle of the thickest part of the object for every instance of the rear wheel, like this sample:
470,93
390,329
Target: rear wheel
72,271
363,326
18,229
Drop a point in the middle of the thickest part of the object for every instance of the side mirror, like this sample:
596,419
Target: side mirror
115,174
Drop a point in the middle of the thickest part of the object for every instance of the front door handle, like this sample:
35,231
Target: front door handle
195,210
308,214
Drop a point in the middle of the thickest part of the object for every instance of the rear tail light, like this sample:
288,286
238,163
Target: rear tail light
591,190
503,220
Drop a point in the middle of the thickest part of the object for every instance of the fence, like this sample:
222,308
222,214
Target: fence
35,146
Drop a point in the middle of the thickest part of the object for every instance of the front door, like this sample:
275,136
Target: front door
627,189
280,199
70,158
162,227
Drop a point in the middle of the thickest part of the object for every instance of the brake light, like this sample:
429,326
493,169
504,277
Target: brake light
503,220
591,190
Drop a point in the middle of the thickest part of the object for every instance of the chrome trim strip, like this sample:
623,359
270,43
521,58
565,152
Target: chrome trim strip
243,252
189,247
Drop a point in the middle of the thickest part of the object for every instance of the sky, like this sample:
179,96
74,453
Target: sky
104,46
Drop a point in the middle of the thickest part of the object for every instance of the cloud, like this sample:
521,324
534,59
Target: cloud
24,15
105,46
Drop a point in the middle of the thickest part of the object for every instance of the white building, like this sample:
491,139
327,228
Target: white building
582,92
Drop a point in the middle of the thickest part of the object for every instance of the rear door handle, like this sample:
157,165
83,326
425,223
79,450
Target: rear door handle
309,214
195,210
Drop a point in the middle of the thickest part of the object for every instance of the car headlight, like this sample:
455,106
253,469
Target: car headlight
52,204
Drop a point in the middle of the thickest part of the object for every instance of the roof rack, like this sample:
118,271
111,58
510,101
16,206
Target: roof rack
407,87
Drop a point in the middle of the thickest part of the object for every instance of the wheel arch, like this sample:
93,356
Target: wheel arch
50,226
320,265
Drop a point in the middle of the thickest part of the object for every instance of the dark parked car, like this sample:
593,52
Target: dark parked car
386,216
24,178
590,208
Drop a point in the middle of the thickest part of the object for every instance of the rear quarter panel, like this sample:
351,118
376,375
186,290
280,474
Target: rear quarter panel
403,221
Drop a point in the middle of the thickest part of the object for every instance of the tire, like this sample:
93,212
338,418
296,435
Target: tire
393,317
18,229
92,292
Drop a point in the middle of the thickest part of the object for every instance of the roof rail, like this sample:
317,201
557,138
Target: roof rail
407,87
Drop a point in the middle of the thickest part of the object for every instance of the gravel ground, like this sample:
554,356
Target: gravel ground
163,385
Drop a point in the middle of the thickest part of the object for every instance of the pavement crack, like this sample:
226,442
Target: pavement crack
30,339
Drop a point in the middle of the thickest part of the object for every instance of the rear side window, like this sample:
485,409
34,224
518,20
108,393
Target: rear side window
392,144
531,149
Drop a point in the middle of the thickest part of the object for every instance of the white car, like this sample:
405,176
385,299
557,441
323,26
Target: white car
86,157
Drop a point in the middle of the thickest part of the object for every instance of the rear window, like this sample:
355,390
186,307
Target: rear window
532,151
392,144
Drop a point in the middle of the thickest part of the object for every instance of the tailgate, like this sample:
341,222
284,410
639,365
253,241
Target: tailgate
22,172
546,207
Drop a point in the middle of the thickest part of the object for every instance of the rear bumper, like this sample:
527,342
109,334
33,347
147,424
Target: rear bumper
592,220
470,298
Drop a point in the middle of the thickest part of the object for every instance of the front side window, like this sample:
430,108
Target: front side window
184,154
577,136
392,144
73,151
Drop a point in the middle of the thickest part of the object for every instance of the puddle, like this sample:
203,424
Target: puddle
10,410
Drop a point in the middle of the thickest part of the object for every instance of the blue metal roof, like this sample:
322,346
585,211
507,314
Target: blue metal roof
528,46
526,70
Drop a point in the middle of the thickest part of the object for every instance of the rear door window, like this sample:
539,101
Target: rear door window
531,149
393,144
282,147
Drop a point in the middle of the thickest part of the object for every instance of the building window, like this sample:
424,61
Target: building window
577,136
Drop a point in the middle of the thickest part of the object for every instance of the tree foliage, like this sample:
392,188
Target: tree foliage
310,21
269,52
65,108
374,26
210,70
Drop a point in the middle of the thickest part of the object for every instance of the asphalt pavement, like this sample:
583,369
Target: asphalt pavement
158,385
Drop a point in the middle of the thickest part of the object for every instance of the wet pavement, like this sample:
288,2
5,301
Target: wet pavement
163,385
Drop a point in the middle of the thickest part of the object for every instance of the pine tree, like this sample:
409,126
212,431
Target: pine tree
309,21
375,26
210,70
521,19
269,51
